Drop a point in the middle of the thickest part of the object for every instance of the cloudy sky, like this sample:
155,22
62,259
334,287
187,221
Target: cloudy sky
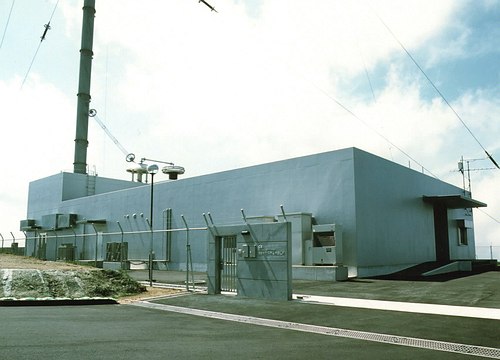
258,81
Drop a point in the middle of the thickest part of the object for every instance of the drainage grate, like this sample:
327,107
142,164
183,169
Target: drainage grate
481,351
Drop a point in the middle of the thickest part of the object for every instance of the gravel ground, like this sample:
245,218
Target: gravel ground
8,261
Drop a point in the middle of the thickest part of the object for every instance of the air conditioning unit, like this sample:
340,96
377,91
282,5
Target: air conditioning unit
49,221
58,221
27,224
65,221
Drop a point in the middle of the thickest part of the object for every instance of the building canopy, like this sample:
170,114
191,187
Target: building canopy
453,201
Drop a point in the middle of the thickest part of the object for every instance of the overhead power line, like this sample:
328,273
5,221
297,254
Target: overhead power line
437,90
352,113
7,23
488,215
47,28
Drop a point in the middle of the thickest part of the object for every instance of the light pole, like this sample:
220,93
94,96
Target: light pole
152,169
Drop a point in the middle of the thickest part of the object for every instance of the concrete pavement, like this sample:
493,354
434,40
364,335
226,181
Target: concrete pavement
436,309
391,339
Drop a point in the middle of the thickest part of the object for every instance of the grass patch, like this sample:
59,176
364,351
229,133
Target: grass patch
111,283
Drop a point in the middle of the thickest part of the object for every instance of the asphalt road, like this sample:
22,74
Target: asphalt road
130,332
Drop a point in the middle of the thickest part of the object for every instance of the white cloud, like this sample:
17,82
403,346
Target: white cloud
252,75
485,187
260,77
214,91
35,140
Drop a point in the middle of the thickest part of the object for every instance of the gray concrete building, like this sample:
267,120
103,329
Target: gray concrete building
351,212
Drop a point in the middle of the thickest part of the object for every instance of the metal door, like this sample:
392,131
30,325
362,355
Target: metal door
228,266
441,235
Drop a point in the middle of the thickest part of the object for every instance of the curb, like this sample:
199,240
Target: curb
57,302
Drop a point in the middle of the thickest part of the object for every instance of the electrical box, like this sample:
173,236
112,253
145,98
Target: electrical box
116,251
326,247
248,251
252,251
66,252
324,255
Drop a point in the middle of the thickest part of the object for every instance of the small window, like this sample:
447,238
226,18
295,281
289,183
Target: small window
462,228
462,236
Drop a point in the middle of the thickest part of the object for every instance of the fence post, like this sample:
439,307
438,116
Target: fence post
121,245
35,240
283,212
12,247
25,251
55,233
74,243
189,260
150,256
96,238
208,225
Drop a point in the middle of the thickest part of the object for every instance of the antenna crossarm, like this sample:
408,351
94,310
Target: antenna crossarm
159,161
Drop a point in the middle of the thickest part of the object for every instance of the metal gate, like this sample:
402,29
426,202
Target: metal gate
228,276
40,246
